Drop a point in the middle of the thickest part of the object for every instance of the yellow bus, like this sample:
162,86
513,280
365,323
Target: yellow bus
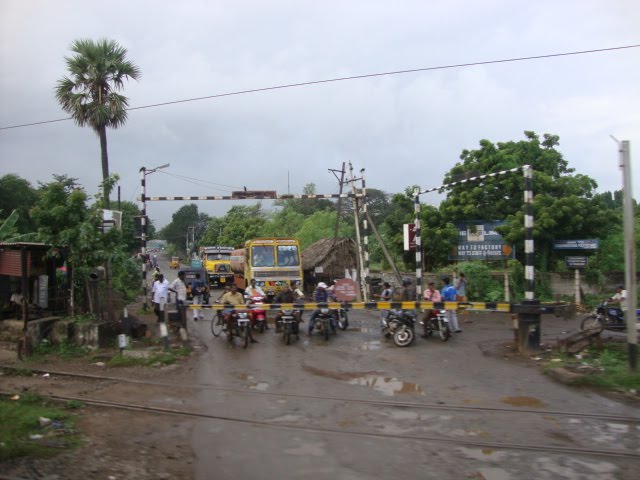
271,261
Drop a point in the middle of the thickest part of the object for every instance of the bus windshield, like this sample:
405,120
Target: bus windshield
262,256
218,256
288,256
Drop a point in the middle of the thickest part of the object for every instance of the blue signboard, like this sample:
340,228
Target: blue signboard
589,244
478,240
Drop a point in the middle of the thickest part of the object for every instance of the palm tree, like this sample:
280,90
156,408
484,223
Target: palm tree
97,71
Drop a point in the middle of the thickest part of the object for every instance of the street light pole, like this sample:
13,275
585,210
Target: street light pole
143,223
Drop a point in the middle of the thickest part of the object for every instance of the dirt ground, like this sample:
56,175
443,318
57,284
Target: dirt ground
116,444
121,444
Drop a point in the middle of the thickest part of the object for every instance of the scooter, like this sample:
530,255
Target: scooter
399,324
436,321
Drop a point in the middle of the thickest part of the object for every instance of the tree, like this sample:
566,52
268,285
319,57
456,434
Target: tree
321,225
97,72
307,206
564,204
185,217
17,194
242,223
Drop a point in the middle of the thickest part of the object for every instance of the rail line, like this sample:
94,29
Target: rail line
385,403
335,431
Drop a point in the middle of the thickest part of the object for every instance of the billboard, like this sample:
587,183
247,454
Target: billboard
478,240
588,244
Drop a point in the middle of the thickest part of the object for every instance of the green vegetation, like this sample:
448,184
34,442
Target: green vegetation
161,358
65,349
606,368
20,420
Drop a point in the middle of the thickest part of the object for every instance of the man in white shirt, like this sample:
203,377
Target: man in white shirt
620,297
160,293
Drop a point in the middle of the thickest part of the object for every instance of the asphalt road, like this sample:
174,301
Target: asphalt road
358,407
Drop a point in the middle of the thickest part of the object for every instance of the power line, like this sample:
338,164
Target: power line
201,183
354,77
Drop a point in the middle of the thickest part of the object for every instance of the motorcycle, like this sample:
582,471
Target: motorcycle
436,321
257,314
287,322
605,318
323,322
342,318
236,323
399,324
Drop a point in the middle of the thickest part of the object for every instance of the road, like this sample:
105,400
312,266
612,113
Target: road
357,407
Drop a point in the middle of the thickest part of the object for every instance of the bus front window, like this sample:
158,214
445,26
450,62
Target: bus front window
262,256
288,256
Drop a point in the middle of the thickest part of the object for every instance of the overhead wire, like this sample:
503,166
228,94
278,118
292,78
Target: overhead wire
352,77
200,182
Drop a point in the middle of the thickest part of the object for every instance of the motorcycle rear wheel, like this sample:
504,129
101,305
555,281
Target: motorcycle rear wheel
591,322
325,332
261,326
403,337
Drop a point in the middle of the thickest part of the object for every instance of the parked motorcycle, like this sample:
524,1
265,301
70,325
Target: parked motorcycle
605,318
257,314
288,324
399,324
436,321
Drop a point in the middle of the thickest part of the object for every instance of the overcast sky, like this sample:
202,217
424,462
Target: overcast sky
403,129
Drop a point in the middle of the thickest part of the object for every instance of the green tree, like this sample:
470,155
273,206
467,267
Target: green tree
17,194
90,95
185,217
242,223
564,204
307,206
284,223
321,225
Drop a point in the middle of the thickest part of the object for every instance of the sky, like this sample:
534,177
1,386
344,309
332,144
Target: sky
403,129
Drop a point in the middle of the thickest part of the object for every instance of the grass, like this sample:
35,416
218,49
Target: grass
19,420
166,358
65,349
607,368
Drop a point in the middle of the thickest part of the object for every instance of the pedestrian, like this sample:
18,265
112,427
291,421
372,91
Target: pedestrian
179,287
449,294
17,302
385,296
159,294
408,291
461,287
198,289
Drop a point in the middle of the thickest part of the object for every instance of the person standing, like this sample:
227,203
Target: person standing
198,289
179,287
17,302
159,293
461,287
385,296
449,294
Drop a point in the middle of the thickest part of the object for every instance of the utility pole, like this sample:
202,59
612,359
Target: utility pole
629,254
339,206
363,287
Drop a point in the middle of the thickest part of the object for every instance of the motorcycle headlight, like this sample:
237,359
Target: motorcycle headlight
242,315
287,312
324,310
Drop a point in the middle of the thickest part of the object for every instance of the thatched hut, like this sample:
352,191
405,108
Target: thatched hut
327,259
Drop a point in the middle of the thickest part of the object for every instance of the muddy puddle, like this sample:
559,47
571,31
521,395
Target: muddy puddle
523,402
387,385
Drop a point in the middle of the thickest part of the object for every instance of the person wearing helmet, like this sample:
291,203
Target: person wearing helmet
320,295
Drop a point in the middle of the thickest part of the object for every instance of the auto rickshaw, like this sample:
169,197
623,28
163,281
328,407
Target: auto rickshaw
174,263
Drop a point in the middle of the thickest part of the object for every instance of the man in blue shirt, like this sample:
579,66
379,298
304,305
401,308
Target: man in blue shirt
449,294
320,295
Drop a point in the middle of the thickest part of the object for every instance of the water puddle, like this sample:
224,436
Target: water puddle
523,402
387,385
372,345
336,375
260,386
369,329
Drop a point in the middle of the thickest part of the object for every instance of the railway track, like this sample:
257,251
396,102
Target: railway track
385,403
555,449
